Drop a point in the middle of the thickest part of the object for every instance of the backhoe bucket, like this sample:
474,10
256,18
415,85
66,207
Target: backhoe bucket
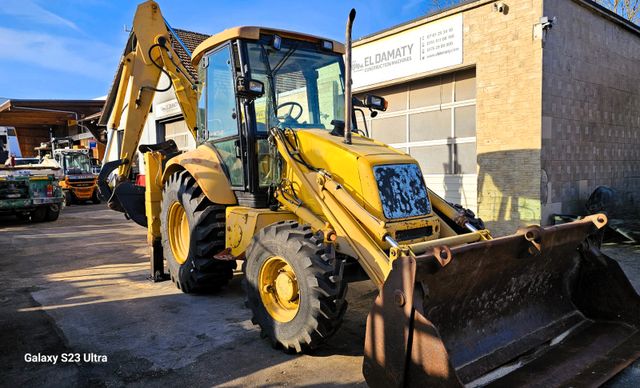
125,197
543,307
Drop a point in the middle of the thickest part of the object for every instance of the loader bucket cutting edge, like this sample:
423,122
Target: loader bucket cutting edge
541,307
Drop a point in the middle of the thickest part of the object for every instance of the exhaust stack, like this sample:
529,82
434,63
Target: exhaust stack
348,99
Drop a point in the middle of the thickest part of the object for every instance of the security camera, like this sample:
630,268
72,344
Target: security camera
542,28
500,7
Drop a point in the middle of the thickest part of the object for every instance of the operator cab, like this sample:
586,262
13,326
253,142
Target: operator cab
74,162
248,86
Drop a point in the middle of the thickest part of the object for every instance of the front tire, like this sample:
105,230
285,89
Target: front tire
53,212
295,292
193,230
95,197
68,198
39,214
23,217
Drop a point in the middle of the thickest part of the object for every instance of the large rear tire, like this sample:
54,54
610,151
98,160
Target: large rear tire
192,230
295,291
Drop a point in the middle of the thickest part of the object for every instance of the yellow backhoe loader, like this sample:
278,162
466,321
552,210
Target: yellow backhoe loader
282,180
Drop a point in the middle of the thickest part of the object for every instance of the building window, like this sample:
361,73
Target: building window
175,129
178,132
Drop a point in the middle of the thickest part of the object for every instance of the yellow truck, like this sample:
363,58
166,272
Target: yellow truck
282,181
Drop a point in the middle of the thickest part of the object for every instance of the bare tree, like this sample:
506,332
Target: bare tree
628,9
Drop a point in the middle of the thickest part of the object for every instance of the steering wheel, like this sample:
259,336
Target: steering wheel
289,116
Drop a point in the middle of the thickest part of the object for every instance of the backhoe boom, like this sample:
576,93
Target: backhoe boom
151,55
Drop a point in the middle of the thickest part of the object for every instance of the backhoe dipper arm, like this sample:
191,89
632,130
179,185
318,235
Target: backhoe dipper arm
149,55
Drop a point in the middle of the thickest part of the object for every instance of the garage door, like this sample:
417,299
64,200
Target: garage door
434,120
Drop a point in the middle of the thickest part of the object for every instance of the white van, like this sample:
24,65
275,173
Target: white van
8,144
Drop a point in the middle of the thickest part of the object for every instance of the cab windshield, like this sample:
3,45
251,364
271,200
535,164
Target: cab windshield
77,163
303,85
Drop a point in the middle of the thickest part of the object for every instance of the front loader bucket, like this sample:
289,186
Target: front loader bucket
543,307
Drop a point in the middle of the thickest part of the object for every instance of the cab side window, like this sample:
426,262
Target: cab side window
221,103
221,113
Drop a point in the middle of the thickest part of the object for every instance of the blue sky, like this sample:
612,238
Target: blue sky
70,49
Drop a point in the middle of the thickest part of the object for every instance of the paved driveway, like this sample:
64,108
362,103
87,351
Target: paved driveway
78,286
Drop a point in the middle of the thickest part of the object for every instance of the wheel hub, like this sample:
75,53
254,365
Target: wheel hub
279,289
178,227
286,286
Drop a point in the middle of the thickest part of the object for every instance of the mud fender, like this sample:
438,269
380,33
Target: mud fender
205,166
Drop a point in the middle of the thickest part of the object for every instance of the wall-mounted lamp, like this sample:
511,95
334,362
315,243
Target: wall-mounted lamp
501,7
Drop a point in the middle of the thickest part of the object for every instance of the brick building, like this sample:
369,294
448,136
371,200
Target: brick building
517,109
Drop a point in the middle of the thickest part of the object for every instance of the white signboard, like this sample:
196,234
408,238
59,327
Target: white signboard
167,108
428,47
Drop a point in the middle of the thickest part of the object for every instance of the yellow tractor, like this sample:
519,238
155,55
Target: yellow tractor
283,180
79,183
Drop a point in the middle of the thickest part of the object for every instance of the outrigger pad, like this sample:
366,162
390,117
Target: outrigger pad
541,307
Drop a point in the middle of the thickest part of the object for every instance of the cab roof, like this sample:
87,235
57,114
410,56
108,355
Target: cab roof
253,33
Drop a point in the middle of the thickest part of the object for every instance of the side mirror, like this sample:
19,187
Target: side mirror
249,88
375,102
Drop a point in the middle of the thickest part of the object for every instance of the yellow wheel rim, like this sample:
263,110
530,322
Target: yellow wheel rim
178,227
279,289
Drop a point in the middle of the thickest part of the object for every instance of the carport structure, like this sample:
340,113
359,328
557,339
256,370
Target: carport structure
35,120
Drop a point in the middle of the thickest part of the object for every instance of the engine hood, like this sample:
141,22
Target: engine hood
352,165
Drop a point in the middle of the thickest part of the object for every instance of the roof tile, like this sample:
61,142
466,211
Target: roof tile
191,40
